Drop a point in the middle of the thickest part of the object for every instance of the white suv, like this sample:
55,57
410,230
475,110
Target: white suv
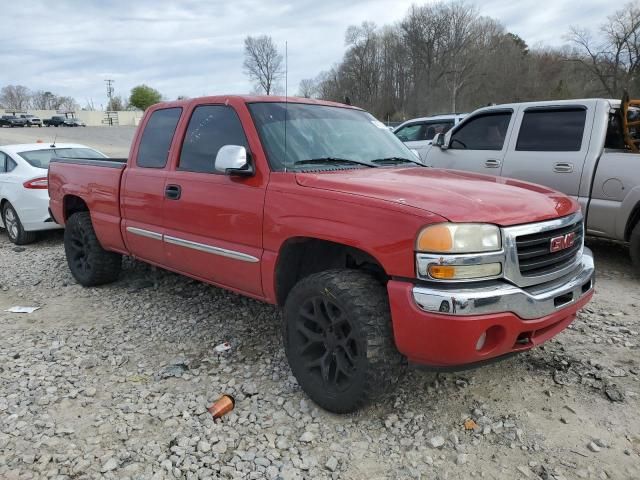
418,133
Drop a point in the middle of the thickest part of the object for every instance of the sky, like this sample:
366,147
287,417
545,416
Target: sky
195,48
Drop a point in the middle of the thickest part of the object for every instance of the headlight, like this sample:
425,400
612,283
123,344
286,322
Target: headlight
459,238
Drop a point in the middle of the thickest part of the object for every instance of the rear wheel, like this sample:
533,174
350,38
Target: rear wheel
90,264
339,341
15,229
634,247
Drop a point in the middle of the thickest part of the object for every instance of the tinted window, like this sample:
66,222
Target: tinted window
11,164
210,128
3,163
483,132
552,130
156,138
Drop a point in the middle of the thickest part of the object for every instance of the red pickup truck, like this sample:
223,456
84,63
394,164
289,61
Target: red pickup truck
318,208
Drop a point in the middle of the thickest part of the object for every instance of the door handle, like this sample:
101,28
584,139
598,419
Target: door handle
563,167
172,192
492,163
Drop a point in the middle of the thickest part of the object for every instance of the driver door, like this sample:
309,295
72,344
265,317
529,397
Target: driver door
478,144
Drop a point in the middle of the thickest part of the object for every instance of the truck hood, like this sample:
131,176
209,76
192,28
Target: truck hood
455,195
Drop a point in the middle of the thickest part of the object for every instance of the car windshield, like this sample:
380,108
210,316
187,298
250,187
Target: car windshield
323,136
41,158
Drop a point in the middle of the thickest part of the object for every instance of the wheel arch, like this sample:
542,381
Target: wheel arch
73,204
318,255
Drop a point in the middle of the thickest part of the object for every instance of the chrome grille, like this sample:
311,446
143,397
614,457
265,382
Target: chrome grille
535,257
525,244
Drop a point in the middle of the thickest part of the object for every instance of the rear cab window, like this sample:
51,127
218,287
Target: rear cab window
153,151
552,129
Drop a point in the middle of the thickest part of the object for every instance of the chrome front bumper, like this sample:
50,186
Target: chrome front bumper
498,296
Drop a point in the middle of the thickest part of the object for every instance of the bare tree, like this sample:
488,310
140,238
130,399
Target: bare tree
307,88
15,97
263,62
614,60
43,100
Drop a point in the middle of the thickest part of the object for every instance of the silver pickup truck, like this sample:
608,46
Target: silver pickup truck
574,146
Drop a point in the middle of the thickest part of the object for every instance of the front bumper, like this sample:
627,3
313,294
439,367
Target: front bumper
444,325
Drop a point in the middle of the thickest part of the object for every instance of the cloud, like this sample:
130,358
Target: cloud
195,48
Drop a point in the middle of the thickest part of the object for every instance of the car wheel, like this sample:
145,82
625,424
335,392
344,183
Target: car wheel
90,264
15,230
338,339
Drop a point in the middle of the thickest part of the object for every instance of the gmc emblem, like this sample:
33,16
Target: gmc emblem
562,242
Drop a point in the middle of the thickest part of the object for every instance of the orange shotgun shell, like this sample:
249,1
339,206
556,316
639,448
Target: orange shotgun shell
222,406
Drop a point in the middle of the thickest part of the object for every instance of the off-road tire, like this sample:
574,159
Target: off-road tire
90,264
634,247
365,316
15,230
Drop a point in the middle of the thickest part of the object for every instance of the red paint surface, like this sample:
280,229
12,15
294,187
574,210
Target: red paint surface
379,211
448,340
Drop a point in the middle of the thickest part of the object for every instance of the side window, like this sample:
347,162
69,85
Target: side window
483,132
3,163
10,164
210,128
411,133
153,151
432,128
552,130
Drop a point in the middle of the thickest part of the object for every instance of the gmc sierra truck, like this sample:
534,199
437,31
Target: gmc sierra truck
320,209
574,146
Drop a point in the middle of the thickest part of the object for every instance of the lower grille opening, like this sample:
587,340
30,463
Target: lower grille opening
523,339
563,299
586,287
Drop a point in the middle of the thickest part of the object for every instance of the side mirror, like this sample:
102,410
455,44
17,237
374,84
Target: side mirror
438,141
233,160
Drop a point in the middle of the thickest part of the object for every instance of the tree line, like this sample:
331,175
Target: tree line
446,57
20,99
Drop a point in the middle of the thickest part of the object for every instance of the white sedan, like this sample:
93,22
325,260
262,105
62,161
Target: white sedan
24,198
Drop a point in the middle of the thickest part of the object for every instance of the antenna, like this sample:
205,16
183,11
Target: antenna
53,144
109,83
286,98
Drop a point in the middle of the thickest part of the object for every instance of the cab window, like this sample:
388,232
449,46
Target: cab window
552,130
156,138
482,132
211,127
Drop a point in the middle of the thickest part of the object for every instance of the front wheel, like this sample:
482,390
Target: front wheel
15,230
339,341
90,264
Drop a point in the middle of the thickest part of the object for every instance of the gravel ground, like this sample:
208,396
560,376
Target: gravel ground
113,141
114,382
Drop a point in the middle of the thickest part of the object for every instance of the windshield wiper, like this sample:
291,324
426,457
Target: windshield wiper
393,160
325,160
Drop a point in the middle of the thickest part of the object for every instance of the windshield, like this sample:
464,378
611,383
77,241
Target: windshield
323,132
41,158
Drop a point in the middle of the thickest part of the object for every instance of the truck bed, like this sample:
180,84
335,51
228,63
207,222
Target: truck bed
94,183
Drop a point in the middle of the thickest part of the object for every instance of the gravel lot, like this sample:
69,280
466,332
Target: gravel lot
114,382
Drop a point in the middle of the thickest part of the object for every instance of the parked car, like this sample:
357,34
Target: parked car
24,199
74,122
12,121
373,257
32,120
418,133
55,121
573,146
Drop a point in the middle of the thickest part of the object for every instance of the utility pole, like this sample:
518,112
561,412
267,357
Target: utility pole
109,83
